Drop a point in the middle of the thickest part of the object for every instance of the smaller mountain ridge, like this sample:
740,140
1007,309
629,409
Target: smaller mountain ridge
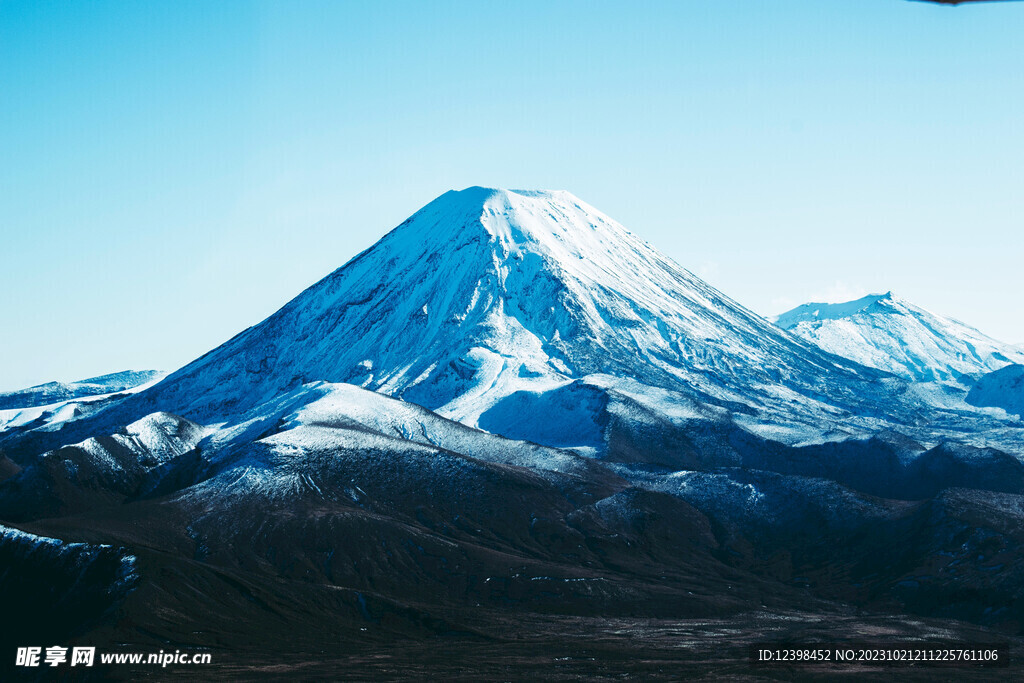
1003,388
54,392
814,312
889,333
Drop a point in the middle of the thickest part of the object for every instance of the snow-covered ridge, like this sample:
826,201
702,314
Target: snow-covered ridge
55,392
814,312
147,443
320,415
10,534
892,334
40,403
77,561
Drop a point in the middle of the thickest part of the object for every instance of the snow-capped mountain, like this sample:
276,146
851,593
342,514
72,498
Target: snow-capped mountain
508,405
532,315
487,300
55,392
889,333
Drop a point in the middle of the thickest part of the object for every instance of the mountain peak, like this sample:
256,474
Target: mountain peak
480,194
486,294
53,392
480,198
816,311
892,334
510,218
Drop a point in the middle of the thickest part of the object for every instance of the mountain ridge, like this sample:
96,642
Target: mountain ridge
889,333
52,392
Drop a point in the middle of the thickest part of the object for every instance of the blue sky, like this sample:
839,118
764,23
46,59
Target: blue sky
174,172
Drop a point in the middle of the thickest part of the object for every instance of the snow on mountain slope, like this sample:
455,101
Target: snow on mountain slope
321,415
1003,388
342,441
163,452
487,293
889,333
99,470
55,392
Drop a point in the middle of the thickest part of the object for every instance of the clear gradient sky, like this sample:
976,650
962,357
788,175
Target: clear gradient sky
173,172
